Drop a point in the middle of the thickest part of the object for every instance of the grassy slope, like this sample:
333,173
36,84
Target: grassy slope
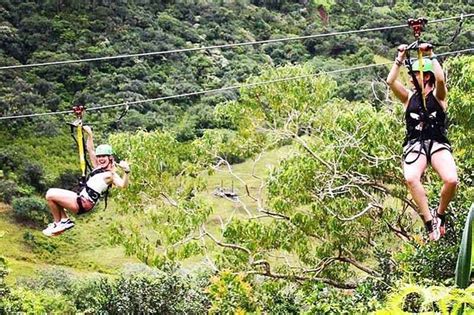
82,250
85,248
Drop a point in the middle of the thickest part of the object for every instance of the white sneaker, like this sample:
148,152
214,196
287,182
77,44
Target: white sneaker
434,233
67,223
62,226
50,229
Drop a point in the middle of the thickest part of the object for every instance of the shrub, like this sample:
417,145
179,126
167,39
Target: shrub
25,301
57,279
33,175
230,293
32,209
8,191
4,290
93,296
168,293
69,180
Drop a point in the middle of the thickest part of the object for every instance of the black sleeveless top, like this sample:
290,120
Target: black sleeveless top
424,124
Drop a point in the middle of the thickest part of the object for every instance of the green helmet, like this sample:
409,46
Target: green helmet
104,149
427,65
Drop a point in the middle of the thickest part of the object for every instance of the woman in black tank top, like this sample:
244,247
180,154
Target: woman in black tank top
426,139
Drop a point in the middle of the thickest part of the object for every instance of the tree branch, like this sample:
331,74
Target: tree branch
227,245
268,273
358,265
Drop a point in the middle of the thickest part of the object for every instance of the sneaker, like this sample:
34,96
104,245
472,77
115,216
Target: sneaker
62,226
441,218
432,228
67,223
50,229
442,223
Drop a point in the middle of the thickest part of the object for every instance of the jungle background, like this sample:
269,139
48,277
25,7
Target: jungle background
283,198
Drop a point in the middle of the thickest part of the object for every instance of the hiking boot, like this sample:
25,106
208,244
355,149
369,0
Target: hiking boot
432,228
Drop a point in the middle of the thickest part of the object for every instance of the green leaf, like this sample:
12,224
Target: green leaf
464,264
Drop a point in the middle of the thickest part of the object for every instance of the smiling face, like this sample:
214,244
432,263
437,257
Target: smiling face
104,160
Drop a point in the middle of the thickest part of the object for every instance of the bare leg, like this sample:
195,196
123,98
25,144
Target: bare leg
413,173
58,199
443,164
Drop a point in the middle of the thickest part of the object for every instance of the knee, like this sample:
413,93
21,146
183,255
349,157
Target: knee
412,180
50,194
451,181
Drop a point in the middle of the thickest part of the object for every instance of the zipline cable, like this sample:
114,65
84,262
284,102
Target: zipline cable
129,103
286,39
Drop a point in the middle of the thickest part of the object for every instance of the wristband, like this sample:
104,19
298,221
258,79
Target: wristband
398,62
434,57
127,171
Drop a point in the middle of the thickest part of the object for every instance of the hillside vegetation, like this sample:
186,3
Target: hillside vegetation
284,197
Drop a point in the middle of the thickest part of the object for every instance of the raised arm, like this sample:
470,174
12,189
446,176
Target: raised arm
441,92
122,182
392,80
90,145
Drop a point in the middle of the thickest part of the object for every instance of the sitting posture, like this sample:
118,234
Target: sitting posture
99,180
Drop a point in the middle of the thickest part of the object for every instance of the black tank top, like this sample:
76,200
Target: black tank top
424,124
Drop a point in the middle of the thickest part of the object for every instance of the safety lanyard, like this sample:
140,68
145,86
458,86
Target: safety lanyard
417,26
79,111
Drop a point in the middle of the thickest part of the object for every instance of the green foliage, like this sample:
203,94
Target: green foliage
278,297
4,289
33,175
8,191
93,295
430,299
465,262
31,209
37,302
162,294
54,279
230,293
69,180
327,207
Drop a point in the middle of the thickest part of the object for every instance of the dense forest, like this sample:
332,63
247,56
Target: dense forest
265,158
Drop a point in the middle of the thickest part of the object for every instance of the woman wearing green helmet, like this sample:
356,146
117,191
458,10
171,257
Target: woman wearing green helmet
99,180
426,141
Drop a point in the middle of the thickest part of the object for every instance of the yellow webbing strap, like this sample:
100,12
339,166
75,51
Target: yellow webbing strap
80,145
420,64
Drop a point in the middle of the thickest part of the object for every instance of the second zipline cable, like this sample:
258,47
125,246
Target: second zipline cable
234,87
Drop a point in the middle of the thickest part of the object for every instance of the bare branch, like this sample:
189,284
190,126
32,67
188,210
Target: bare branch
399,232
275,214
227,245
360,266
206,254
370,206
321,266
336,284
172,202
